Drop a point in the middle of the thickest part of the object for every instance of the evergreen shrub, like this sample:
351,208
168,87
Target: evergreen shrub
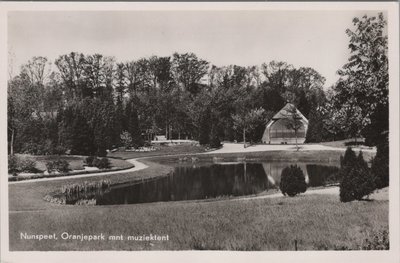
293,181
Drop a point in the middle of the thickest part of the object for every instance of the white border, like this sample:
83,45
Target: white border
197,256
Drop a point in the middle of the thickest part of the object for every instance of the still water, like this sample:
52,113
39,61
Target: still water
210,180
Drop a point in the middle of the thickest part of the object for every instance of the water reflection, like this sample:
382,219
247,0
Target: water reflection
203,181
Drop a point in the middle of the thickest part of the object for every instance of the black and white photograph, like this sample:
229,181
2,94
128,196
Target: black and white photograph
201,128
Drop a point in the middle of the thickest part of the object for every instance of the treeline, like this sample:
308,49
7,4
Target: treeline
90,103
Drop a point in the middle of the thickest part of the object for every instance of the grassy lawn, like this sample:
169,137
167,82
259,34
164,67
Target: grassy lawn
315,221
163,150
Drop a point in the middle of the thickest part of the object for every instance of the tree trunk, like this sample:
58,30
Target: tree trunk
295,135
12,142
166,131
245,171
244,137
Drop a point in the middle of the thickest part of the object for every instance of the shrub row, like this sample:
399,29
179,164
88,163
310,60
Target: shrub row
19,165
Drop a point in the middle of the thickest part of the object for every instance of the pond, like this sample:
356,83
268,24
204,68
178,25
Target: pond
211,180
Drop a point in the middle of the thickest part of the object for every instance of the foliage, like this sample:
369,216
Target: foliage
292,181
379,241
126,139
59,150
88,101
376,131
248,121
13,167
21,165
59,165
316,131
357,180
28,165
215,141
90,160
101,163
361,94
132,124
380,165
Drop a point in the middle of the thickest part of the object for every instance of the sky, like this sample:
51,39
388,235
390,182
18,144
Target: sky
314,39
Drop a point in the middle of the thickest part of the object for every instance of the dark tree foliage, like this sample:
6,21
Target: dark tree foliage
75,132
357,180
380,165
215,141
205,127
132,123
292,181
316,131
273,99
88,101
362,91
375,133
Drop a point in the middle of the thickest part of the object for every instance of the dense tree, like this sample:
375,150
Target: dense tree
188,70
75,133
71,68
363,86
132,122
316,130
380,165
91,100
249,121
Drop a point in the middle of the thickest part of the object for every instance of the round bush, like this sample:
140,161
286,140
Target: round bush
89,161
102,163
293,181
58,165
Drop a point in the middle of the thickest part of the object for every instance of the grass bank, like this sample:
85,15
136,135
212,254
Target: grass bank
317,222
326,156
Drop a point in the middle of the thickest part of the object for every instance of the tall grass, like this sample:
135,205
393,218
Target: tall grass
75,193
